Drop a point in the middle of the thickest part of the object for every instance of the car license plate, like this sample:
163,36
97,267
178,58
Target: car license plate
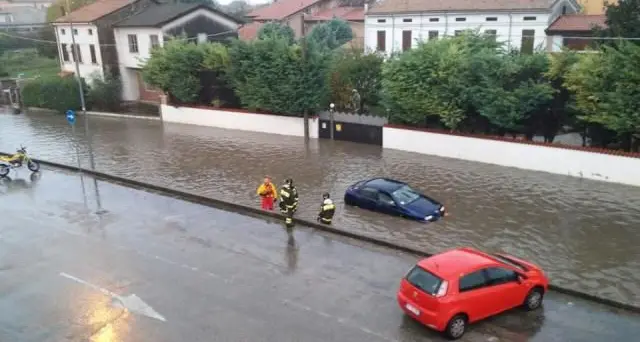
413,309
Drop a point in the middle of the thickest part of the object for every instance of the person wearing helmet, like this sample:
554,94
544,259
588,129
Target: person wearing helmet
288,201
327,209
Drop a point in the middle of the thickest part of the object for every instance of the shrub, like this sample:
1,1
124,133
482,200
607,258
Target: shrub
55,93
106,94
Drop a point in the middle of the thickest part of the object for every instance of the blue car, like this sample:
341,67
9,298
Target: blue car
394,198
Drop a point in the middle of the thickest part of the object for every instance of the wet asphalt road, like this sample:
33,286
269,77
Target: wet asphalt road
217,276
585,233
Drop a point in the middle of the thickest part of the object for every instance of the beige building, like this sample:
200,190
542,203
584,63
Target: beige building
302,15
594,7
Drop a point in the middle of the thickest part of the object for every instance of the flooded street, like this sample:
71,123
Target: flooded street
200,274
584,233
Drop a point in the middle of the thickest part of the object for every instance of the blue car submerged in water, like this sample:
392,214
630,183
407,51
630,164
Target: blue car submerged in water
394,198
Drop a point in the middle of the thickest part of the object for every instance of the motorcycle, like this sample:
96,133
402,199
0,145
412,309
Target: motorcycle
17,160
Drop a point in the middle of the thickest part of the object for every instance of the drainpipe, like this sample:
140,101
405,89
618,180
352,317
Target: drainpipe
446,23
510,27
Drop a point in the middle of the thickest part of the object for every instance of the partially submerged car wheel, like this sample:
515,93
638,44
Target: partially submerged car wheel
534,299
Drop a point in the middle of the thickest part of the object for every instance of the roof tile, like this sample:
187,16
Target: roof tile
344,13
577,23
281,9
94,11
407,6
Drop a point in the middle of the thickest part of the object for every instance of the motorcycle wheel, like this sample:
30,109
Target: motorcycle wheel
4,170
33,166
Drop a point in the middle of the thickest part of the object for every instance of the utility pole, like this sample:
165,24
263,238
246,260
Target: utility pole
76,55
304,75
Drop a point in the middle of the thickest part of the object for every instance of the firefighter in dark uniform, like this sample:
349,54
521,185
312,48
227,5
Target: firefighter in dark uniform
327,209
288,202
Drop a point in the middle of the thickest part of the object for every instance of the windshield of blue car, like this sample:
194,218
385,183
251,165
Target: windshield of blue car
405,195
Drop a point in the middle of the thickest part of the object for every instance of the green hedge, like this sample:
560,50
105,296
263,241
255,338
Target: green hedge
55,93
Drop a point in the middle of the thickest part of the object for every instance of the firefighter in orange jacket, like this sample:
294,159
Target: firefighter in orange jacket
268,194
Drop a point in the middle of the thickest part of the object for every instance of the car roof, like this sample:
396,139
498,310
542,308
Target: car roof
384,184
456,262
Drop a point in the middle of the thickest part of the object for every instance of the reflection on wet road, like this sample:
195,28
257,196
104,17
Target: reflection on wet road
584,232
218,276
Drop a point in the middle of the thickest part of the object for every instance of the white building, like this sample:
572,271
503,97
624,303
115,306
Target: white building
397,25
87,43
137,35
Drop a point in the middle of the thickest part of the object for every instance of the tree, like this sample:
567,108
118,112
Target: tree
561,111
512,93
353,69
606,87
274,30
623,20
175,68
270,74
331,34
238,8
435,80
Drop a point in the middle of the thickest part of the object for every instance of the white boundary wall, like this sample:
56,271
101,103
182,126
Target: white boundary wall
263,123
591,165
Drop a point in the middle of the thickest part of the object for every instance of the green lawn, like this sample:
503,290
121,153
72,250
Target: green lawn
28,63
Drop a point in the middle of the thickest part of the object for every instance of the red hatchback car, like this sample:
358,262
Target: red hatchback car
447,291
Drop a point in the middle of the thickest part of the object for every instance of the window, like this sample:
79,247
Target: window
90,32
406,40
434,20
369,193
564,9
202,38
529,18
153,41
461,19
499,275
133,43
491,34
509,262
76,49
491,19
382,41
75,32
382,20
473,281
65,52
405,195
63,31
407,20
92,51
526,43
433,35
384,198
424,280
457,32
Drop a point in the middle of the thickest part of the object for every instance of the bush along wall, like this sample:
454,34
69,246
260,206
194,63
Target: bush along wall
55,93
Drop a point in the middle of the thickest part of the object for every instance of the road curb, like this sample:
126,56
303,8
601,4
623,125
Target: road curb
254,211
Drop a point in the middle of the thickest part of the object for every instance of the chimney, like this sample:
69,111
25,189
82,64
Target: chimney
366,8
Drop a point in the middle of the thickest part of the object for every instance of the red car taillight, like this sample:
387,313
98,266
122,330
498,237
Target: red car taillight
442,291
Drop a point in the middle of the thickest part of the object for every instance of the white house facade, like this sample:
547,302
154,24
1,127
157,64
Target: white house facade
134,45
397,25
137,35
88,46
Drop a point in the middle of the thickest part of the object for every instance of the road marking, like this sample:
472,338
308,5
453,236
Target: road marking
131,302
340,320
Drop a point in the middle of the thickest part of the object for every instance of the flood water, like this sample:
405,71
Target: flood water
584,233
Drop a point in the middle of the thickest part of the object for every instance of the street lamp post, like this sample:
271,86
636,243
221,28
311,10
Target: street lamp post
331,108
76,55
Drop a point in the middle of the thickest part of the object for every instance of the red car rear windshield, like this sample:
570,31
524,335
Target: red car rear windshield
424,280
